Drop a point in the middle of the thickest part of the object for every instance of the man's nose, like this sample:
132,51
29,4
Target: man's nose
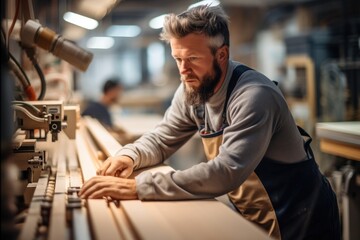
184,67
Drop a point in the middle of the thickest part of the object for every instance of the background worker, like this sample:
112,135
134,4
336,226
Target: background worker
100,110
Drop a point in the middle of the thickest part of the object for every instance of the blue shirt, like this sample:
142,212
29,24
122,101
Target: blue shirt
99,111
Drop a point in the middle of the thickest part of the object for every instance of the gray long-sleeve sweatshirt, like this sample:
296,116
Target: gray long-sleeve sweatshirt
260,125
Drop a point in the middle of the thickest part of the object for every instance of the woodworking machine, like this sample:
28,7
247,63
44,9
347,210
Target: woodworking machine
33,121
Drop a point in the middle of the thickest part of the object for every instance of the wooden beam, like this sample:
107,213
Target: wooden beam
200,219
126,229
102,137
86,160
102,220
340,149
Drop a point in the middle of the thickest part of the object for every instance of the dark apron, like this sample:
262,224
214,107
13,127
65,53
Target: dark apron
289,201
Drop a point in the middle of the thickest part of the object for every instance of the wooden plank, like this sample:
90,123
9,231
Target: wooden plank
71,155
336,148
146,221
103,138
345,132
79,217
41,185
201,219
92,148
75,180
123,223
87,166
118,219
81,228
58,228
30,226
102,220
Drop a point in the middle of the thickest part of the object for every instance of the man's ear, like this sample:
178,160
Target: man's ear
223,54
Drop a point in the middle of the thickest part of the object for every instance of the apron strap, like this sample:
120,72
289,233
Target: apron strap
307,146
238,71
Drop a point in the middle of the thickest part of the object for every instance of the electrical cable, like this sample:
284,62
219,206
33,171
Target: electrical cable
42,80
20,68
3,33
12,66
30,52
13,22
27,104
29,90
29,114
17,69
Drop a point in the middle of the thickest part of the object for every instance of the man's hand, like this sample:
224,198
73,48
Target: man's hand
109,186
119,166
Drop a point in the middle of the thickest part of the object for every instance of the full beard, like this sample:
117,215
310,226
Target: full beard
201,94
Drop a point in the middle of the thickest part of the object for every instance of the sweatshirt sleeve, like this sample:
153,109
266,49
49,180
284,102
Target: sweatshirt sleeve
251,114
155,146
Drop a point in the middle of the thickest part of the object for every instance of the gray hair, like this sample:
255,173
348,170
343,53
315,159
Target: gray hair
211,21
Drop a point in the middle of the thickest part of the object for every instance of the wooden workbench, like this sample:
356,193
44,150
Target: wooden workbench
134,219
56,211
340,138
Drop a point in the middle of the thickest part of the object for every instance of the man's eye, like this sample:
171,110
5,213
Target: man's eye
192,58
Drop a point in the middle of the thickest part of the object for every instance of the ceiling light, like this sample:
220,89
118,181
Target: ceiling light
95,8
100,42
123,31
80,20
157,22
205,2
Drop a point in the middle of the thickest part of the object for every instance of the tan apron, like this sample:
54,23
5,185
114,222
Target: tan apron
251,198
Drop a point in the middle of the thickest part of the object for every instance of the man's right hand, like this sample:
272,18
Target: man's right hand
119,166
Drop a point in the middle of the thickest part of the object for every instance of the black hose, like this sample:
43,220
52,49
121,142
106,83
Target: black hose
30,52
42,79
20,68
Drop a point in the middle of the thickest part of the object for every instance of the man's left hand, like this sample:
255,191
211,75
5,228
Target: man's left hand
109,186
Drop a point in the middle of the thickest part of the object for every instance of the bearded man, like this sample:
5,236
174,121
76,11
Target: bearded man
256,153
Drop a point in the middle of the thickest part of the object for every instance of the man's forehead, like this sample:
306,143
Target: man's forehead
189,44
190,39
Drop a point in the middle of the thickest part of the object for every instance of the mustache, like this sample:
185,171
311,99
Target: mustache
186,77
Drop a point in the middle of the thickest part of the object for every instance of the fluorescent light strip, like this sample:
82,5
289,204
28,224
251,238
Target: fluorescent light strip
100,42
157,22
205,2
80,20
123,31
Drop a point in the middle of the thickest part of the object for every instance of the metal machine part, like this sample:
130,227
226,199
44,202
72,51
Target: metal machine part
38,118
350,198
30,160
34,120
32,33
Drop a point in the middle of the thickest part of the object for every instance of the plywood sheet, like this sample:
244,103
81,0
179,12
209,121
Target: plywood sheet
207,219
